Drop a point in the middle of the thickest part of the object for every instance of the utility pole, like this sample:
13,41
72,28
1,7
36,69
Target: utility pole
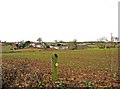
111,37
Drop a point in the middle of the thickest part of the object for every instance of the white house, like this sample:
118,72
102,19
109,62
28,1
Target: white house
59,46
38,46
32,44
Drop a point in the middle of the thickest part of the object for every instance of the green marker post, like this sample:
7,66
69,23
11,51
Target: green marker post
55,67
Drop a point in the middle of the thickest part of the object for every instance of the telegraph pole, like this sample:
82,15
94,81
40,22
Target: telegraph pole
111,37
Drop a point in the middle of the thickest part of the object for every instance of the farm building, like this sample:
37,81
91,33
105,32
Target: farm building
82,46
32,44
37,45
3,43
59,46
14,47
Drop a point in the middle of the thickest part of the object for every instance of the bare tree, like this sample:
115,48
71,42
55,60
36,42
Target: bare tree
75,43
39,40
55,41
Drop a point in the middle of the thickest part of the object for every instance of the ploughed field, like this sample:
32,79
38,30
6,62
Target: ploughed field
77,68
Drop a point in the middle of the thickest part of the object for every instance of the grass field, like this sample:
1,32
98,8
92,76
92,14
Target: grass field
76,67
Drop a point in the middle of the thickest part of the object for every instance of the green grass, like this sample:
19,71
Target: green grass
87,59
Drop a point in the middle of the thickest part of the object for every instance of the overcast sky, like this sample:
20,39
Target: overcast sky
84,20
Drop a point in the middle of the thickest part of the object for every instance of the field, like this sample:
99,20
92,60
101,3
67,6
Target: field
77,68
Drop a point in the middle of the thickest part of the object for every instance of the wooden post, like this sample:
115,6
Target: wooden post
55,67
